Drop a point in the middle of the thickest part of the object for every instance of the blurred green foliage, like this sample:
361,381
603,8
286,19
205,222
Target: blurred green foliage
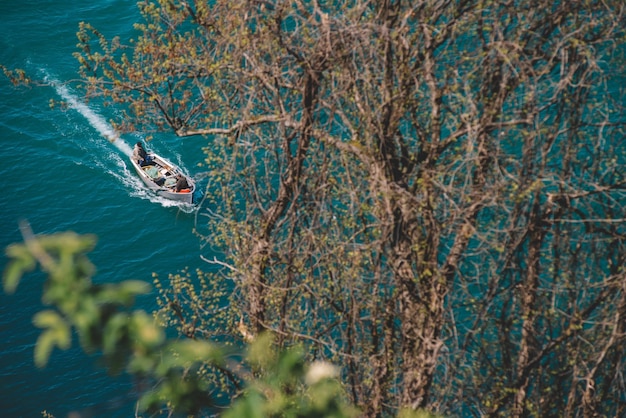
276,384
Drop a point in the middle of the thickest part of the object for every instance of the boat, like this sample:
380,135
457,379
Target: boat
161,177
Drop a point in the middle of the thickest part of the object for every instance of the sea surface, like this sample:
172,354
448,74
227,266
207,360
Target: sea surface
60,172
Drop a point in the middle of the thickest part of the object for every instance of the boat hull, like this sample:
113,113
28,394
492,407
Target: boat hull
160,176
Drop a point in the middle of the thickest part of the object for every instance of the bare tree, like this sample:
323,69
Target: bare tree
429,193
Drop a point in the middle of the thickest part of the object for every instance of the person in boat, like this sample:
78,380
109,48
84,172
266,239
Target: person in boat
140,155
181,183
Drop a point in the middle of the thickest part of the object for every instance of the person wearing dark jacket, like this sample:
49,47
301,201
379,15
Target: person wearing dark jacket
140,155
181,183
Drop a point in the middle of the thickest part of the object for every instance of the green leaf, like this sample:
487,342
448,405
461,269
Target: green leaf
128,289
63,336
47,319
23,261
291,364
71,242
147,333
184,353
260,352
58,333
114,332
43,348
135,287
251,406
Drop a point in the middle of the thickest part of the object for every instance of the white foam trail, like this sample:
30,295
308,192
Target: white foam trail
94,119
106,130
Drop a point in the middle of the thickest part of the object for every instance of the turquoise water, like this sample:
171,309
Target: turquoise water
60,172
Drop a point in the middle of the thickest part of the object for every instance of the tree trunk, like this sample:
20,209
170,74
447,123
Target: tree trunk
261,251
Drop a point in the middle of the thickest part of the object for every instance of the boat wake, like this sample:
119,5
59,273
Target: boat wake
124,174
95,120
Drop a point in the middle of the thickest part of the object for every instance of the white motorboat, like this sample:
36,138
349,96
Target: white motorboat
162,177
